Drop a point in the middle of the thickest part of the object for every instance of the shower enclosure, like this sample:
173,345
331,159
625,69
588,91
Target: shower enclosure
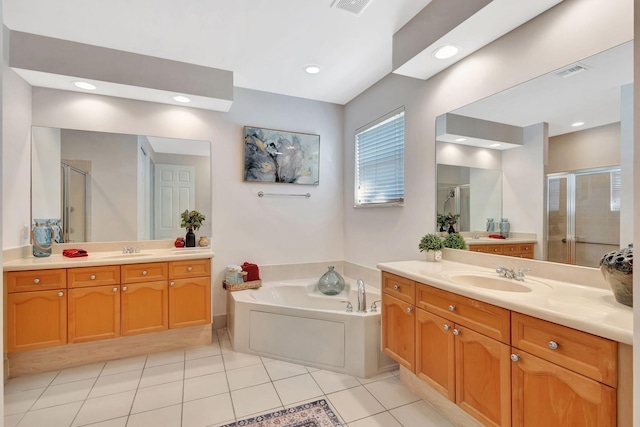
583,215
456,200
74,202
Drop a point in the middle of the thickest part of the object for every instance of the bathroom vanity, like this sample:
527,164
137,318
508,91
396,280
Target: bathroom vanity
63,312
508,353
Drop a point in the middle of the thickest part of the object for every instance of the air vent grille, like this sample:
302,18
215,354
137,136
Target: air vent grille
354,6
572,70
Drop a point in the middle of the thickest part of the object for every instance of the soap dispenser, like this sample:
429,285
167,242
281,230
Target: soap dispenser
505,227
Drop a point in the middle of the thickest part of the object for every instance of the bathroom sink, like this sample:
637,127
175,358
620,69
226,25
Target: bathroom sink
493,282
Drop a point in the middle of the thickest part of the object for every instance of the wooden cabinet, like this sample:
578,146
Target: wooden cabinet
459,352
36,280
94,313
545,394
93,276
36,319
189,293
522,250
398,330
144,307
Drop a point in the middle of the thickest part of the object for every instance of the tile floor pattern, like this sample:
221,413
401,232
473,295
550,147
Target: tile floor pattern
204,386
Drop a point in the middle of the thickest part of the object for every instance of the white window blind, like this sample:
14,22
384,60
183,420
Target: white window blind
380,162
616,189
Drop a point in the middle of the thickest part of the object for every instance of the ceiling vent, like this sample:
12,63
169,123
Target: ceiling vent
354,6
572,70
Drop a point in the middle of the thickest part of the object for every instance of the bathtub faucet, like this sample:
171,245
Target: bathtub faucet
362,297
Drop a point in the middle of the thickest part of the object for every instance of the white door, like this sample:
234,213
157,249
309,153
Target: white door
175,190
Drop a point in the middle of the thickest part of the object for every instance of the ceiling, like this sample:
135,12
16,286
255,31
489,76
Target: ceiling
265,43
591,96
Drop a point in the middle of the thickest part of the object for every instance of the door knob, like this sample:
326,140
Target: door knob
446,327
124,288
36,281
409,309
172,283
452,308
515,357
396,287
92,277
553,345
189,268
144,272
456,332
60,294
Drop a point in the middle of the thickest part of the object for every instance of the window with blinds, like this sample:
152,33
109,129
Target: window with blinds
380,162
616,189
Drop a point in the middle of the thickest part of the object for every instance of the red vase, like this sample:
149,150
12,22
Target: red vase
179,243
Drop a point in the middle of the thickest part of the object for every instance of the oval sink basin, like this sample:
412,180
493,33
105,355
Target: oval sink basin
494,283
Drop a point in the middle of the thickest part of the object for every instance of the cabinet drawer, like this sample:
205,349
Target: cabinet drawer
150,272
581,352
93,276
513,250
496,249
478,248
36,280
399,287
481,317
191,268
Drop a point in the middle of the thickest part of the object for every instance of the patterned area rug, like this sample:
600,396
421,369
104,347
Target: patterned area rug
312,414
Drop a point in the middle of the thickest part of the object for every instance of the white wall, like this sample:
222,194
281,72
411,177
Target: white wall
486,197
591,148
244,227
45,169
16,160
572,30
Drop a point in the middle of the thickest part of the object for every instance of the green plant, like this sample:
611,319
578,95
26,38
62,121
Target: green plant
430,242
193,219
455,241
442,221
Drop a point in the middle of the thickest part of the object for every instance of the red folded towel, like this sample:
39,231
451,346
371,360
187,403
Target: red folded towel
253,273
496,236
74,253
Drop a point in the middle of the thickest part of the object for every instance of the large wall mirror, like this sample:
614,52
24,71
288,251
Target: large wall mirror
582,105
118,187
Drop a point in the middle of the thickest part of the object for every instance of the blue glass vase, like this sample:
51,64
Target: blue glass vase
41,238
331,283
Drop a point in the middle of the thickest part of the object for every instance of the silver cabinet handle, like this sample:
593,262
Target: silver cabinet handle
189,268
115,289
456,332
144,272
92,277
396,287
452,308
446,327
515,357
60,294
172,283
36,281
409,309
553,345
124,288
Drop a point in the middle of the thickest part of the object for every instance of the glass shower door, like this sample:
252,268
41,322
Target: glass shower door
583,216
74,203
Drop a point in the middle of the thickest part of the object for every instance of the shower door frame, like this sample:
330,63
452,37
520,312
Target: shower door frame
570,235
65,208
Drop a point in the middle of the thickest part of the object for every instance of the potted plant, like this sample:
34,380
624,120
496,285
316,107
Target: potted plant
191,220
432,243
455,241
442,223
451,219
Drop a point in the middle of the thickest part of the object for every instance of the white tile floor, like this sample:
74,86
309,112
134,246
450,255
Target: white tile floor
204,386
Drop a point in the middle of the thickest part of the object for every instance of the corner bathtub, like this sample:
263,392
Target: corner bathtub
294,322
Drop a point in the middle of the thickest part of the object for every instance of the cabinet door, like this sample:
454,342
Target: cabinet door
483,371
144,307
435,352
398,327
36,320
545,394
189,302
94,313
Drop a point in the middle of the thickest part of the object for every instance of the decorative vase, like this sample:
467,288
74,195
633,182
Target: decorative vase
179,243
203,242
617,269
190,238
434,256
451,230
56,229
331,283
42,238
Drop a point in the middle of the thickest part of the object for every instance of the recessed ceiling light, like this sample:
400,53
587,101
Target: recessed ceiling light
494,145
445,52
461,139
85,85
576,124
181,98
312,68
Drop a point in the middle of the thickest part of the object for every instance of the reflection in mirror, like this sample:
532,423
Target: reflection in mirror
473,193
584,107
118,187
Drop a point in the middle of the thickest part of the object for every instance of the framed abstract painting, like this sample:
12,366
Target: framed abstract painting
272,155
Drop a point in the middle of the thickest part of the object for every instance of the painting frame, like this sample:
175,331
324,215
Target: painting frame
281,156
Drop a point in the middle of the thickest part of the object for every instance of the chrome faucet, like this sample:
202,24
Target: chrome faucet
362,297
520,274
509,273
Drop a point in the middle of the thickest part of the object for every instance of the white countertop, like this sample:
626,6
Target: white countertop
108,258
490,241
589,309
